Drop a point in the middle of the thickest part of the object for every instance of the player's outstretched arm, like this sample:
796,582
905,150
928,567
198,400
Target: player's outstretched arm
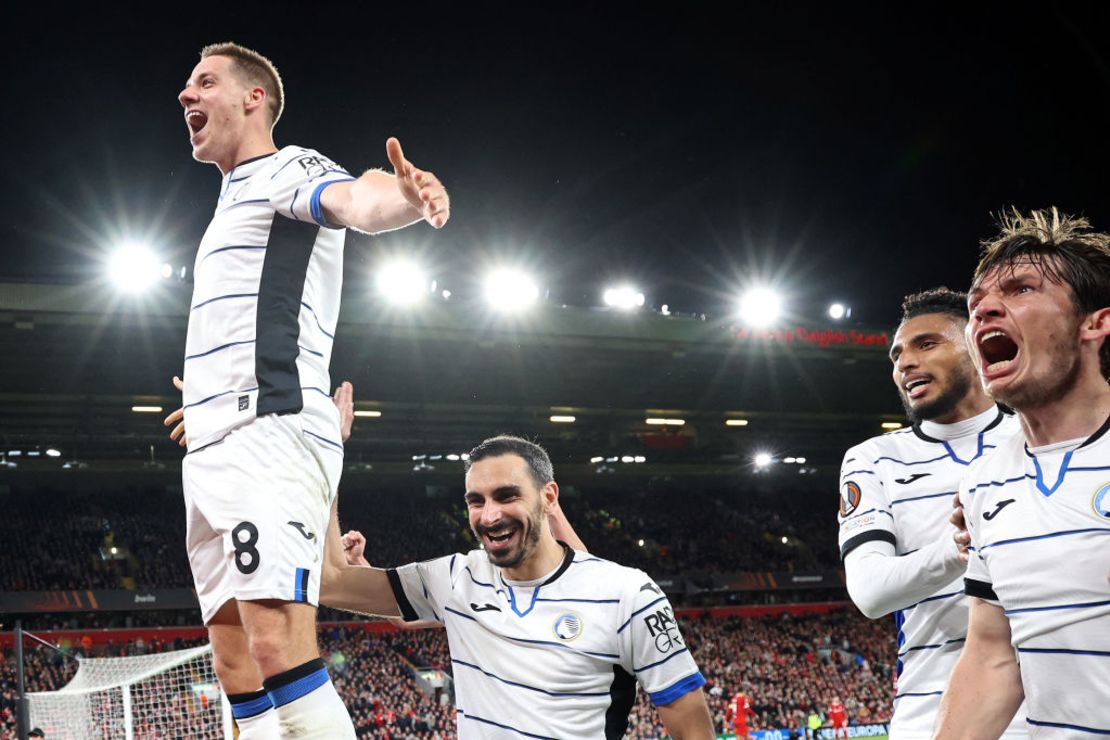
378,201
687,717
360,589
985,689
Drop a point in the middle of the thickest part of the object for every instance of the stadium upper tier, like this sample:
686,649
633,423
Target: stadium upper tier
78,358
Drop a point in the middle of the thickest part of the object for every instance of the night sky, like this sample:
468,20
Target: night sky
851,154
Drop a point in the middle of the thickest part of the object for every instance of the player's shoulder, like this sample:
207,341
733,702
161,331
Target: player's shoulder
301,163
875,449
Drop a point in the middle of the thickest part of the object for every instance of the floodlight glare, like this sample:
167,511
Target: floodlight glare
891,425
51,452
368,414
134,268
624,297
838,311
762,459
596,460
402,283
509,290
760,307
557,419
736,422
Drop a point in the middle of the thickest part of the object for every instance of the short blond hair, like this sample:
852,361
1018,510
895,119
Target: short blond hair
254,69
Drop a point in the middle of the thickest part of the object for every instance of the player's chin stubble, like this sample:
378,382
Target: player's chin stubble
959,385
530,539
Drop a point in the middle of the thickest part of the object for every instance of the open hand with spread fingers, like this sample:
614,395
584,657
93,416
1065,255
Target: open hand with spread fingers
420,188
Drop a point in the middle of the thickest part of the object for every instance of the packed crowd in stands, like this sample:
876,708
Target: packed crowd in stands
788,665
681,530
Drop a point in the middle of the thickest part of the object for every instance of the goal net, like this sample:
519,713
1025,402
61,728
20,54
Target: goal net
140,697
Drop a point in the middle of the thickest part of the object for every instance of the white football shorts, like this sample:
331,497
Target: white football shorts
256,509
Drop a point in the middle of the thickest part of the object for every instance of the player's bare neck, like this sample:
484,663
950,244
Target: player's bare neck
249,148
1078,414
546,558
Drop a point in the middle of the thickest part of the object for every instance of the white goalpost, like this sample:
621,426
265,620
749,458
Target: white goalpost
140,697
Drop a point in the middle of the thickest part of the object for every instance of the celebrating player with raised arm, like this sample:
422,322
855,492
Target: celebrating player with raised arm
895,499
264,450
1038,509
546,641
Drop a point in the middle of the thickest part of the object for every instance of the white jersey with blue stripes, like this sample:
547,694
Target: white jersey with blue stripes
898,488
558,657
267,280
1040,527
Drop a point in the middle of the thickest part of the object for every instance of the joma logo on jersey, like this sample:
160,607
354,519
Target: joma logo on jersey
664,629
1100,502
850,496
316,165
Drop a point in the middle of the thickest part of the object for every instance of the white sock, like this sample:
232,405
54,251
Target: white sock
307,705
254,715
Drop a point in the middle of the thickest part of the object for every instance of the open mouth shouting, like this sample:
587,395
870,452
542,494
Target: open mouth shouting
196,120
998,352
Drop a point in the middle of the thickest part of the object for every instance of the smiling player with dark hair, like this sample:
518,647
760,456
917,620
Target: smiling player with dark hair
546,641
896,493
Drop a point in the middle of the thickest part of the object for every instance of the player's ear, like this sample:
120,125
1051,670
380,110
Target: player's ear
255,97
1095,326
550,494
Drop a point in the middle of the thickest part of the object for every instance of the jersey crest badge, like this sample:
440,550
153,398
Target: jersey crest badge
1100,502
568,626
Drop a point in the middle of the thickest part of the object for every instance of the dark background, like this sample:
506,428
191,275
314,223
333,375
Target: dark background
850,153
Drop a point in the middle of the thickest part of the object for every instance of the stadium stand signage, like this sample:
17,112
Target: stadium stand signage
821,338
16,602
877,730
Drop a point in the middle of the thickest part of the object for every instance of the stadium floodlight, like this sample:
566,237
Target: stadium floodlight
658,421
147,409
788,460
891,425
760,307
736,422
557,419
596,460
134,267
367,414
838,311
509,289
623,297
762,459
465,456
453,457
640,543
784,539
800,460
402,283
628,459
52,452
641,459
